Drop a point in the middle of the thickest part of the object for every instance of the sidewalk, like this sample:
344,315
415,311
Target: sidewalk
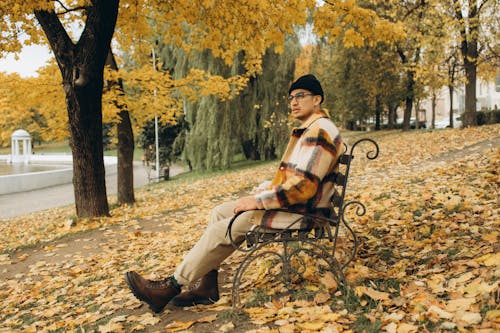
16,204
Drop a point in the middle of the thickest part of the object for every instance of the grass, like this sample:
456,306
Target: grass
363,324
201,174
233,315
138,152
259,297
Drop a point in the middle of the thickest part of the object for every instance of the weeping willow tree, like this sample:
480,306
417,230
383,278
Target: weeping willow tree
254,123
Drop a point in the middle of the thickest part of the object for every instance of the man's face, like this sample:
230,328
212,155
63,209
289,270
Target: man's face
303,103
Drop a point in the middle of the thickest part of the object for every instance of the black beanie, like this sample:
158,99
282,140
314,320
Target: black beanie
308,82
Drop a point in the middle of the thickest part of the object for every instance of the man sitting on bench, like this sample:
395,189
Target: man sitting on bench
304,182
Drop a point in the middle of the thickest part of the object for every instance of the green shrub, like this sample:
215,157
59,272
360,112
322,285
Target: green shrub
488,117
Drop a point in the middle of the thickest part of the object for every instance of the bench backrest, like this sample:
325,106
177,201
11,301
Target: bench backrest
344,162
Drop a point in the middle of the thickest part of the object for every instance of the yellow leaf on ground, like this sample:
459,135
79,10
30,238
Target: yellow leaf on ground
394,316
281,322
321,298
493,315
288,328
329,317
460,304
440,312
491,237
312,326
470,318
228,327
391,328
406,328
328,280
118,319
464,277
137,327
372,293
111,327
176,326
477,288
493,260
148,319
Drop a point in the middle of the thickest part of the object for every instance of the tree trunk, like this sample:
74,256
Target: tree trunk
408,100
417,115
469,116
125,159
450,89
392,115
82,66
250,150
433,120
469,33
125,144
378,112
85,122
410,88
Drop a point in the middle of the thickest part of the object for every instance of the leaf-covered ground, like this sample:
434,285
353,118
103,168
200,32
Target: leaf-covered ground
429,257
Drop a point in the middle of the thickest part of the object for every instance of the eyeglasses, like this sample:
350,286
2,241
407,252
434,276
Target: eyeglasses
299,96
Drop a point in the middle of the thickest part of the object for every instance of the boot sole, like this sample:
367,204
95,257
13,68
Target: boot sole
131,285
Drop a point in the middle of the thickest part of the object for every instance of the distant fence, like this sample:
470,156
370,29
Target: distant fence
35,180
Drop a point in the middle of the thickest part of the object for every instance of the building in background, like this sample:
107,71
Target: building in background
488,98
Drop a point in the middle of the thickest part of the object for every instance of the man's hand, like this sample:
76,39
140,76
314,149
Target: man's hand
245,203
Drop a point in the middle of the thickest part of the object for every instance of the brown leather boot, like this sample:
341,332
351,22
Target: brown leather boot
206,292
156,293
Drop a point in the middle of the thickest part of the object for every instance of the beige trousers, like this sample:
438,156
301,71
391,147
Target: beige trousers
213,247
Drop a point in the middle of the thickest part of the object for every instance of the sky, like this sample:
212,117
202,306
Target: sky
30,59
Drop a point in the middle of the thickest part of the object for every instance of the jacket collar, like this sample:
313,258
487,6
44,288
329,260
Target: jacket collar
315,116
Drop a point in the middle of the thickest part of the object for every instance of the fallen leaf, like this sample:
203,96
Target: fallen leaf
328,280
118,319
111,327
372,293
493,315
312,326
476,288
406,328
149,319
176,326
281,322
391,328
321,298
470,318
448,325
492,260
394,316
440,312
460,304
492,237
227,327
329,317
288,328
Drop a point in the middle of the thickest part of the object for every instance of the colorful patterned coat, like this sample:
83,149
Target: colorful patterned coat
305,179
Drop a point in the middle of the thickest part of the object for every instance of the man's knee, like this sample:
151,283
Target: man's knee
222,211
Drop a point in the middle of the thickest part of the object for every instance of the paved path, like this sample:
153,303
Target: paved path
15,204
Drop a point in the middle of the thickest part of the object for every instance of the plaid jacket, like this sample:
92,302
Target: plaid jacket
305,179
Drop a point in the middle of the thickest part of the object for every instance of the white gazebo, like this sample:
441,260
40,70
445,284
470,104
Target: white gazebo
17,137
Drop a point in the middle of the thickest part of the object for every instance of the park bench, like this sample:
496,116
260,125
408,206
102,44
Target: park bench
289,253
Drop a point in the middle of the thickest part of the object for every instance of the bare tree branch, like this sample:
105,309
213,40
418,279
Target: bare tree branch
69,10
